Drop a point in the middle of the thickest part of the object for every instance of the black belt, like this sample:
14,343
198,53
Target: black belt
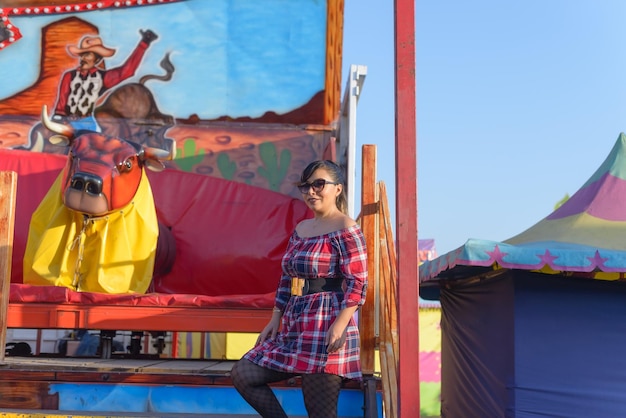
318,285
322,285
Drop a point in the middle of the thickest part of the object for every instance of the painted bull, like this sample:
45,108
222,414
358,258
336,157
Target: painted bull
96,229
131,112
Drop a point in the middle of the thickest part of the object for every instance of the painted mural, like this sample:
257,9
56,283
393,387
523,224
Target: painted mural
247,91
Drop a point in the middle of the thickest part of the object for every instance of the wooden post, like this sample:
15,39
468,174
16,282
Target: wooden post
8,193
369,210
406,210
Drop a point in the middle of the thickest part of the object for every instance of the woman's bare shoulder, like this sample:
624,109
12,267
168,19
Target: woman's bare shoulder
304,228
309,228
348,222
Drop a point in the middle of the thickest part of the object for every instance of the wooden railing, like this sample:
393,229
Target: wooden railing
388,314
8,192
381,306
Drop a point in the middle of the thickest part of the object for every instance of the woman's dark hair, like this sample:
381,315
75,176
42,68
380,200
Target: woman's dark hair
336,174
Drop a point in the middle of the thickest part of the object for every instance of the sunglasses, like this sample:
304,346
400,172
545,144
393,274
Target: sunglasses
317,185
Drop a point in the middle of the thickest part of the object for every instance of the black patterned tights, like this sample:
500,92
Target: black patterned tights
320,391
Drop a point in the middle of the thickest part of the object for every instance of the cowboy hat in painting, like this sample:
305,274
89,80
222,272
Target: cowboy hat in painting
91,44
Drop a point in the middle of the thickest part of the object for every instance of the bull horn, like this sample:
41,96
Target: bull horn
159,154
153,157
56,127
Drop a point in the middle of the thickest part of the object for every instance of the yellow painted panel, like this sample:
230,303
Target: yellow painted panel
430,330
217,341
238,343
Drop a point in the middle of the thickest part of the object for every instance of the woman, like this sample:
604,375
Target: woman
312,331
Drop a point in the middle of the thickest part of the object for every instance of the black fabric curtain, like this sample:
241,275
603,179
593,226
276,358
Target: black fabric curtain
477,349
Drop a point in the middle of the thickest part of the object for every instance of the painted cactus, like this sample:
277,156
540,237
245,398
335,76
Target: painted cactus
273,169
189,155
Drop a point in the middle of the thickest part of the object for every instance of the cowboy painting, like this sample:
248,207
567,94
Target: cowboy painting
81,87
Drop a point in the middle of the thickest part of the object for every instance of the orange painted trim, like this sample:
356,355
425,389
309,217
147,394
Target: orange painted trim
334,49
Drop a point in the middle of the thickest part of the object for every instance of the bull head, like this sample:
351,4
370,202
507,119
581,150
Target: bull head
102,173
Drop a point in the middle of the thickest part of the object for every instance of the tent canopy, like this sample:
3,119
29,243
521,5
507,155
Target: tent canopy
583,237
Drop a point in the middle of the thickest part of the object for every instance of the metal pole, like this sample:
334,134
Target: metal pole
406,210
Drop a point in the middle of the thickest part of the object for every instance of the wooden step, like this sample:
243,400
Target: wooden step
144,371
69,387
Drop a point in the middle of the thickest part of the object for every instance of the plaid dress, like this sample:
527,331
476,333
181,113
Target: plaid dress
299,345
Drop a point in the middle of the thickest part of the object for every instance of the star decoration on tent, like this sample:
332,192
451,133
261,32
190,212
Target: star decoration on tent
497,255
547,259
598,261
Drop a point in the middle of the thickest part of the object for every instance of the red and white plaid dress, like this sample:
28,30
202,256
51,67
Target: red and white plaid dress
299,346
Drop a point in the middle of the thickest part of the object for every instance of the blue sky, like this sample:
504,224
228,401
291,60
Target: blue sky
518,103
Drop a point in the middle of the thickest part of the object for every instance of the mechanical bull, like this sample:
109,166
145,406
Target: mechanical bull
96,229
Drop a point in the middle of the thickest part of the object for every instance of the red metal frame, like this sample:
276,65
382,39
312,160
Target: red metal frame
406,210
131,318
